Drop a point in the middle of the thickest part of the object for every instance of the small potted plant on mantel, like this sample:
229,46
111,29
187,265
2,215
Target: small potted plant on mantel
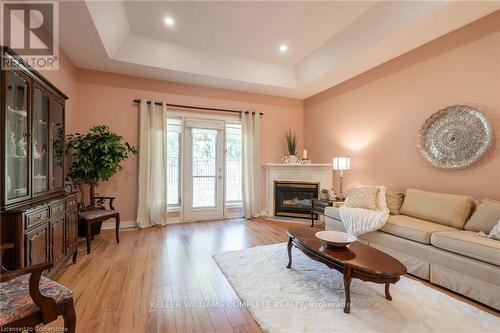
291,142
95,157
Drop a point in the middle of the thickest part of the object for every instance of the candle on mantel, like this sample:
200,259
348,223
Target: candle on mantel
304,154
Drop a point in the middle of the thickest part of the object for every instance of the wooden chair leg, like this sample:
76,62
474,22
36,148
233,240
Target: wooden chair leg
88,225
117,219
69,316
75,254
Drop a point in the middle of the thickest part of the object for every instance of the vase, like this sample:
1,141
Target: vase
292,159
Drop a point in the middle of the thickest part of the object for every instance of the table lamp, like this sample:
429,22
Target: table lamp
341,164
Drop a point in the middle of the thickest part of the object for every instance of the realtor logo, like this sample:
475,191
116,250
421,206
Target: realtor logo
31,29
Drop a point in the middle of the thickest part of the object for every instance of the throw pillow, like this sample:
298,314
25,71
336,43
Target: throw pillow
362,197
495,232
394,201
485,216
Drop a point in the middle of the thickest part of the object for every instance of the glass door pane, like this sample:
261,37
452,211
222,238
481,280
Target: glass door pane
40,154
204,170
16,137
57,138
204,147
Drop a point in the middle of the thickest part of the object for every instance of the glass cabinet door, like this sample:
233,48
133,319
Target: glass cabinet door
57,145
17,143
40,154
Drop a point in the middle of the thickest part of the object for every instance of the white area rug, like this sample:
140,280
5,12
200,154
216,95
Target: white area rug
310,298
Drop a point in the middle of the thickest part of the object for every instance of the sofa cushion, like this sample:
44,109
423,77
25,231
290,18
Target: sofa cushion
469,244
485,216
412,228
394,201
447,209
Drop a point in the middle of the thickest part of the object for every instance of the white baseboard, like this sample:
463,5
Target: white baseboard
123,224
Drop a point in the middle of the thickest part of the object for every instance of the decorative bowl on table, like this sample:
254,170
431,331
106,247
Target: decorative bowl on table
335,238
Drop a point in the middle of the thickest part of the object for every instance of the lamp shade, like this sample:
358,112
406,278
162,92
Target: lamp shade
341,163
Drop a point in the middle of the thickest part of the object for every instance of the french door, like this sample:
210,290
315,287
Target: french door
203,170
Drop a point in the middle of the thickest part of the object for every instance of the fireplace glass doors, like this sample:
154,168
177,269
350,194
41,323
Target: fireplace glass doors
293,199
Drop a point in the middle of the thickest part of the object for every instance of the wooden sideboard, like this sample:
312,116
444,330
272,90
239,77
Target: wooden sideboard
41,233
36,214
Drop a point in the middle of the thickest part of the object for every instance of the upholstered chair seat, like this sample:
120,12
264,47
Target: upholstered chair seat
16,302
97,213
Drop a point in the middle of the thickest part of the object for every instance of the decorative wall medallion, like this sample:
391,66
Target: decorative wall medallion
455,137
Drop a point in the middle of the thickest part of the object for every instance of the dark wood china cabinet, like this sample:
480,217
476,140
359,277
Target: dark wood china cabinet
36,214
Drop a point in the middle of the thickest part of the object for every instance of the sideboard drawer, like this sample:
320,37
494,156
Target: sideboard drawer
57,208
71,202
35,217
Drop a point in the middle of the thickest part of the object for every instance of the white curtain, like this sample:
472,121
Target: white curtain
251,163
152,208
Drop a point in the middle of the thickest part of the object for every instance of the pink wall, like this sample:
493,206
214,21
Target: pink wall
105,98
375,117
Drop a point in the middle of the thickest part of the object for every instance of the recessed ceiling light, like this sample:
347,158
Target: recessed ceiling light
283,48
169,21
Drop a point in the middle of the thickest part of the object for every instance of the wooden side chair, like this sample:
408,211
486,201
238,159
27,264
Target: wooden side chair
29,299
100,214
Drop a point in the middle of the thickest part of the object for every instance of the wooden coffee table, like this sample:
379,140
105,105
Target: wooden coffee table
357,260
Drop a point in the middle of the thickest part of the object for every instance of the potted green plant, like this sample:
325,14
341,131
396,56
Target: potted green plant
291,142
95,157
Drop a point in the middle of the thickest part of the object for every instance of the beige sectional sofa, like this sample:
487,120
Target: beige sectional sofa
435,235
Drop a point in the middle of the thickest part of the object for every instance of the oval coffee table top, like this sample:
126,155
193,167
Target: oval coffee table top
356,254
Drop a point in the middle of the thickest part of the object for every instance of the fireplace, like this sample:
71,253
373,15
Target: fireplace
293,198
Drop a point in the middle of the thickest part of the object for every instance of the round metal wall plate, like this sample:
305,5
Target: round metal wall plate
455,137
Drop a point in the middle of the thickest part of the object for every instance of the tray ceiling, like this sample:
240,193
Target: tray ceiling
235,45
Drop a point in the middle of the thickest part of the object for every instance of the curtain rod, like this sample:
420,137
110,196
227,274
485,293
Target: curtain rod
198,107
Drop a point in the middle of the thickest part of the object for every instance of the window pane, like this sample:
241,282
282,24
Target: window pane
204,150
173,161
204,164
203,192
233,163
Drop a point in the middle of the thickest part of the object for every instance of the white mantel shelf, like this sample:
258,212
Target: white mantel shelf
318,173
271,166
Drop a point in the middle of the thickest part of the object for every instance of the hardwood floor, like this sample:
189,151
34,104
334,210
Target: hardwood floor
129,286
142,283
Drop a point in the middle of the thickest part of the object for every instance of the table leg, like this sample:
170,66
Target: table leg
387,294
289,246
88,224
347,287
117,219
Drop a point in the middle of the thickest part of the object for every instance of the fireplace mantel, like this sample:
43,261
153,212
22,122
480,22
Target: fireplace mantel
278,166
321,173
